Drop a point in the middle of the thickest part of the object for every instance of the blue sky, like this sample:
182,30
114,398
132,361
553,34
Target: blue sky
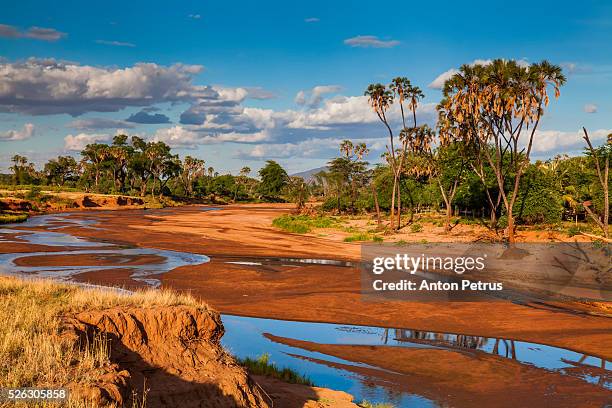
237,82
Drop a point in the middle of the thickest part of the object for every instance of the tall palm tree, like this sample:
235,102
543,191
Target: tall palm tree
380,99
494,108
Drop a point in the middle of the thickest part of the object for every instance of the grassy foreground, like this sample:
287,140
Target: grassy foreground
32,351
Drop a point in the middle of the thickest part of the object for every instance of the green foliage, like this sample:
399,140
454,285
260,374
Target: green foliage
538,202
368,404
34,194
363,237
416,227
302,224
12,218
262,366
273,179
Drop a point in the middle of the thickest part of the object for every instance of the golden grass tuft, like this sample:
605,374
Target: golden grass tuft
33,353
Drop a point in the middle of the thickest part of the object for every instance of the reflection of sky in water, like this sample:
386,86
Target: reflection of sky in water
244,338
170,260
48,238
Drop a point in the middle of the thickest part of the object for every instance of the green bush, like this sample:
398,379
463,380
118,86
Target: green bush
368,404
416,227
302,224
362,237
12,218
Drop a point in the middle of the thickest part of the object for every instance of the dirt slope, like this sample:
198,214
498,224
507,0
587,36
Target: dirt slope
171,354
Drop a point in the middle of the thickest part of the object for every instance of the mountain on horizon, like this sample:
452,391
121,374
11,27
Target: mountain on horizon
308,175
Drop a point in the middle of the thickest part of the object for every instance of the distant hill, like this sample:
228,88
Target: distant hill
308,175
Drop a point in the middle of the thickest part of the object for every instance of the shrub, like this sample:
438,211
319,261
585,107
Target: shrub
368,404
302,224
262,366
11,218
416,227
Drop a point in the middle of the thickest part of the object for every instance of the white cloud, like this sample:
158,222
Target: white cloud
438,83
39,86
551,142
116,43
309,148
312,20
370,41
12,135
590,108
441,79
313,97
78,142
194,16
182,137
35,33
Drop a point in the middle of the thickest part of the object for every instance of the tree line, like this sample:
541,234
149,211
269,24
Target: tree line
477,158
131,165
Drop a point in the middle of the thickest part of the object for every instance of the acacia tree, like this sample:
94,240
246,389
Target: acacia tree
95,154
381,98
273,179
499,105
61,170
241,179
23,170
297,191
191,169
350,168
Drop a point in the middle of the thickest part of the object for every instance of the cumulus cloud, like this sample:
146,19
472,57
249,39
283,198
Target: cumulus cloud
40,87
116,43
313,97
309,148
194,16
79,141
441,79
438,83
550,142
147,118
99,123
370,41
182,137
12,135
590,108
35,33
311,20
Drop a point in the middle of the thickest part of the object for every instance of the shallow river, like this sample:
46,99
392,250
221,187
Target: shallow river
245,336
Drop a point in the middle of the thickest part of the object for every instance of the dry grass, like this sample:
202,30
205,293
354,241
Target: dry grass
33,353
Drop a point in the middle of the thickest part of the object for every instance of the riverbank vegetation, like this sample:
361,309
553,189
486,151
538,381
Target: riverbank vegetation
132,166
263,366
475,166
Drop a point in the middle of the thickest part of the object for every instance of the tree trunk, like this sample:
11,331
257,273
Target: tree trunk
449,214
375,195
399,204
511,238
393,202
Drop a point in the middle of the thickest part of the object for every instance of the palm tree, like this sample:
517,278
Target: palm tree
494,108
380,99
